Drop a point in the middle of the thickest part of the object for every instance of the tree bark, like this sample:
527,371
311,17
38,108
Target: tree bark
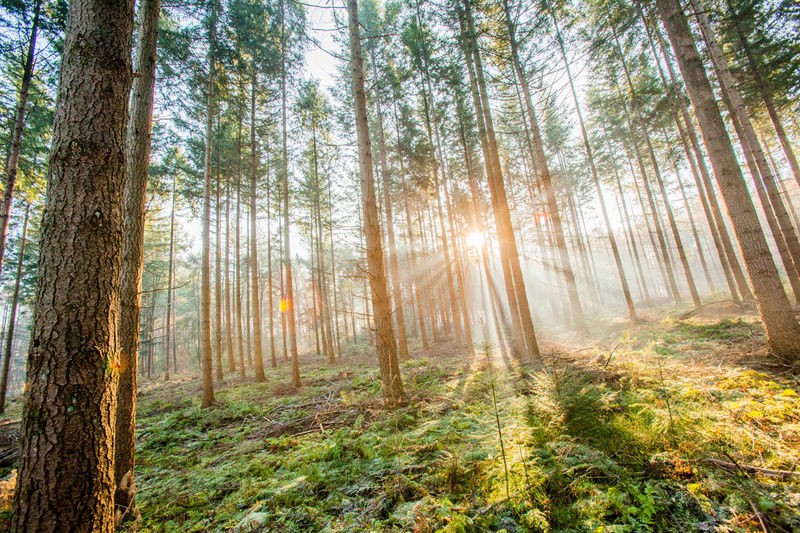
288,302
579,321
66,471
391,382
138,160
522,323
782,329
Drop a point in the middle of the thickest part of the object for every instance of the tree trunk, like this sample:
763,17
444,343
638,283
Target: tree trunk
753,151
524,333
255,299
66,470
206,359
394,264
238,271
138,160
595,178
541,163
170,263
659,179
783,331
386,348
289,302
8,341
12,162
763,90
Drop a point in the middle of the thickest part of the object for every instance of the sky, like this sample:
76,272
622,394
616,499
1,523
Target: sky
320,64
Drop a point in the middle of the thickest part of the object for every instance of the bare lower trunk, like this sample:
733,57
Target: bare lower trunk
138,159
8,341
385,342
783,331
206,357
66,468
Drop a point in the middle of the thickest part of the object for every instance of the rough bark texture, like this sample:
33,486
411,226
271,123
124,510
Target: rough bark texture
138,154
385,342
783,331
66,472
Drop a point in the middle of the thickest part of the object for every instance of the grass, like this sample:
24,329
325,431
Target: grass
653,430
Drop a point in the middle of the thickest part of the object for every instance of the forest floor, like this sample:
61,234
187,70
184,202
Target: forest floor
677,424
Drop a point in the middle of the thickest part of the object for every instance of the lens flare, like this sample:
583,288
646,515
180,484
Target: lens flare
475,240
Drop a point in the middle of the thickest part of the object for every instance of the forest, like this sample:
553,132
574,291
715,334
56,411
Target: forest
399,265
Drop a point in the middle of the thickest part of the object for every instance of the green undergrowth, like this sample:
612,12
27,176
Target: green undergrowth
655,433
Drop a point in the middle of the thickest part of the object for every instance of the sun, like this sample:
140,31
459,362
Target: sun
474,240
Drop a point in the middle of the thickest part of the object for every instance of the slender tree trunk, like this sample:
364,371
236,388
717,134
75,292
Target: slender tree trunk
66,467
12,162
727,245
238,288
595,178
170,277
227,275
763,90
659,179
8,341
387,350
255,299
783,331
205,261
270,292
138,160
524,333
289,299
394,264
543,168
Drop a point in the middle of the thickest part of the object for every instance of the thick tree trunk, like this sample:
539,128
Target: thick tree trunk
760,169
138,161
8,341
782,329
66,470
385,343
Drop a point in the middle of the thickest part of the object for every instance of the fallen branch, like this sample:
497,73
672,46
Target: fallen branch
769,472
